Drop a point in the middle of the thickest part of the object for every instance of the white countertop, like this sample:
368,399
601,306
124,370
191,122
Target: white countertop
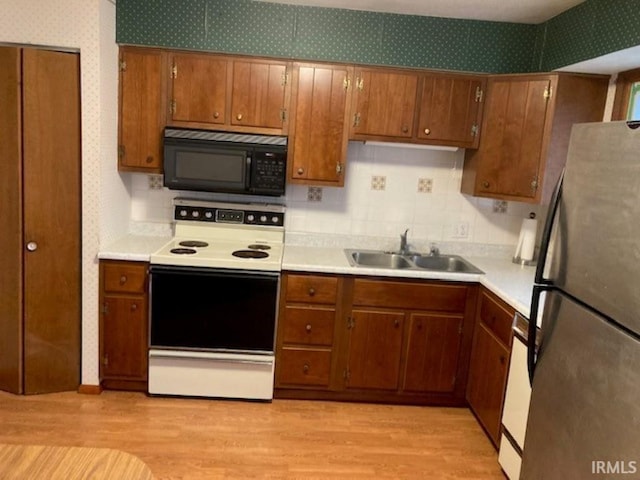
513,283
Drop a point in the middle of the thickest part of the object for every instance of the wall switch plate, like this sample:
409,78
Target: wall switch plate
461,230
155,182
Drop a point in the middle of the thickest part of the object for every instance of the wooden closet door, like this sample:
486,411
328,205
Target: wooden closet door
10,223
52,201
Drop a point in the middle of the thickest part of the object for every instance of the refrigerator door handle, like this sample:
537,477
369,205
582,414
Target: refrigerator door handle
546,233
531,339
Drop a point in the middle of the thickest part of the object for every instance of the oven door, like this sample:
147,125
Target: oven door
213,310
212,332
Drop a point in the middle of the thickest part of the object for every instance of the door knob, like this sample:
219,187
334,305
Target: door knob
32,246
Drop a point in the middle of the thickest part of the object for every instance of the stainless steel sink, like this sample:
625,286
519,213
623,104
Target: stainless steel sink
436,263
444,263
378,259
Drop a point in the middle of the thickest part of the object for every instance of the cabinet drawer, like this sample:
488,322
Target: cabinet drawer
408,295
309,326
124,277
304,367
311,288
497,317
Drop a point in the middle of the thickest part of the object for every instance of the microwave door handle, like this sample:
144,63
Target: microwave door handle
247,173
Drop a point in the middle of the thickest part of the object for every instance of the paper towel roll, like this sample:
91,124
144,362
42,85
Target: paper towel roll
527,240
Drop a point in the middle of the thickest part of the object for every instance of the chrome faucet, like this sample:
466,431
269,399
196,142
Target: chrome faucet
434,251
404,246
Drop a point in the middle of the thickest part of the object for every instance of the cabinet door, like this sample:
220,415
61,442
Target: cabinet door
319,134
141,110
124,338
384,104
449,110
199,88
258,94
432,352
487,380
513,136
375,347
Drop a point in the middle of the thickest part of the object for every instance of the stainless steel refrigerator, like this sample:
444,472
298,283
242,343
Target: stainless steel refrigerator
584,417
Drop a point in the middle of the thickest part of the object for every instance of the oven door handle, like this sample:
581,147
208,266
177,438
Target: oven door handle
228,358
213,272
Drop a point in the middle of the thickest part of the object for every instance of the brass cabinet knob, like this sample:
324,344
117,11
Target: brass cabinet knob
149,159
312,292
308,327
217,114
485,184
305,368
427,131
396,323
300,171
32,246
239,116
134,307
123,279
405,129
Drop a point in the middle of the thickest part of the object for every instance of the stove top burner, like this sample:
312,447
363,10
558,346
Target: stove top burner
183,251
250,254
259,246
194,243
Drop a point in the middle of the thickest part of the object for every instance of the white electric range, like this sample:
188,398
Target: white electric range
213,301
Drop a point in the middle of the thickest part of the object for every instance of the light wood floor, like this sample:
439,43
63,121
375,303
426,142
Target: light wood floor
211,439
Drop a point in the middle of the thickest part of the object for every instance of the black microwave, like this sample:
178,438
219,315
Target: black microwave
223,162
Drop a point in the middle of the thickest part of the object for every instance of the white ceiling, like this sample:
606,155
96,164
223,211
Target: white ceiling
518,11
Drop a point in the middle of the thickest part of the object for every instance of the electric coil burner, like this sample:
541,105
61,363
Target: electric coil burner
213,302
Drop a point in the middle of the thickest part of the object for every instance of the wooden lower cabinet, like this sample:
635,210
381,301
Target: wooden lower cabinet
490,362
369,339
123,325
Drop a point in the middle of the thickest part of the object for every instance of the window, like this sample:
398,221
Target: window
633,113
626,105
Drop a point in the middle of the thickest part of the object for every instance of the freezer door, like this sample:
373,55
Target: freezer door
584,417
596,254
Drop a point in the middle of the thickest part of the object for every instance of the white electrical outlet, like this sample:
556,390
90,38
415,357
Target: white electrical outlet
461,230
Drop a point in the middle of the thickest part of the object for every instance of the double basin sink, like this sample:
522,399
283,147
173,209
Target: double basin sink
413,261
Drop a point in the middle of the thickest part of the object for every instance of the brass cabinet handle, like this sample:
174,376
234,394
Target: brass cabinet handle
485,184
308,327
300,171
305,368
134,307
405,129
123,279
239,116
427,131
396,323
217,114
312,292
149,159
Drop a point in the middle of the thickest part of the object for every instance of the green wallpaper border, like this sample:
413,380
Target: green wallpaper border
326,34
589,30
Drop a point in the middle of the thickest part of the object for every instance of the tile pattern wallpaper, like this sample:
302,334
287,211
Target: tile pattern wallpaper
313,33
361,208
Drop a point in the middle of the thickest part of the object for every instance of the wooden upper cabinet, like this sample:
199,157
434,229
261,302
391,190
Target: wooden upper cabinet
318,134
141,109
199,87
450,110
383,104
525,133
259,95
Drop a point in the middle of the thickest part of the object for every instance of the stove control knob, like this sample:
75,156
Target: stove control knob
263,218
251,217
195,214
183,213
208,214
274,219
